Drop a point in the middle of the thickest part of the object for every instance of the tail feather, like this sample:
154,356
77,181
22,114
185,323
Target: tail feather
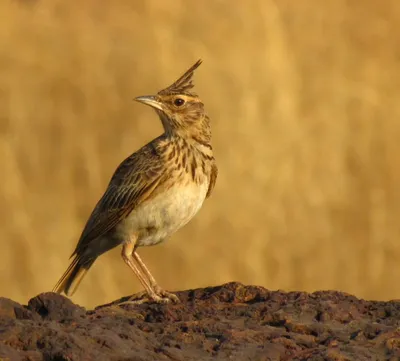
72,277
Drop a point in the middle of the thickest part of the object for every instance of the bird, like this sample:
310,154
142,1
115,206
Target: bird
153,193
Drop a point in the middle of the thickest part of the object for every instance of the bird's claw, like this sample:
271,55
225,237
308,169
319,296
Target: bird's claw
160,296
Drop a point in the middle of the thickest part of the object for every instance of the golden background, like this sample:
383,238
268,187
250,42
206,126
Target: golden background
304,98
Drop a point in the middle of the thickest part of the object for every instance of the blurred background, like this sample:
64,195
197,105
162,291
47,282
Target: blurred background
304,101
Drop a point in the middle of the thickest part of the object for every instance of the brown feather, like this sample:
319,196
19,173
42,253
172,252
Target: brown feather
132,183
71,279
184,83
213,179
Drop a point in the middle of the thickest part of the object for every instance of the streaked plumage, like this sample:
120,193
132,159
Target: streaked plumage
153,192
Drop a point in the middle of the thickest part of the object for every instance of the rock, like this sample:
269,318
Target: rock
54,307
228,322
11,309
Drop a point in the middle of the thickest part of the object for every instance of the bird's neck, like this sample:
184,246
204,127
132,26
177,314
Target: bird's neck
197,134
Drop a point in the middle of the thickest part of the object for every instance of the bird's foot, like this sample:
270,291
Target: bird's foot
159,296
136,299
170,297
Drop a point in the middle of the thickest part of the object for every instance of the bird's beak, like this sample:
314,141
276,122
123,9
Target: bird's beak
150,100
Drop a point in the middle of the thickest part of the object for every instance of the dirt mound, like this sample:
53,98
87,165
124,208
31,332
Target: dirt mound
228,322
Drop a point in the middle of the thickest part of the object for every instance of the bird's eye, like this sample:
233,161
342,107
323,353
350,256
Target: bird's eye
179,102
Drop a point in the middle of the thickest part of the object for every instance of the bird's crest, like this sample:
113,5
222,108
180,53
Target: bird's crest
184,83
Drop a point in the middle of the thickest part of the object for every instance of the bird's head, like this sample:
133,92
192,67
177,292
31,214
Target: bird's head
181,111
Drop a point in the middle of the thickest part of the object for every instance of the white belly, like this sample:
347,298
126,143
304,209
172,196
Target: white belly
158,218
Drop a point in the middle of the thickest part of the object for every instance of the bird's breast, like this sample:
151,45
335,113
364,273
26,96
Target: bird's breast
160,216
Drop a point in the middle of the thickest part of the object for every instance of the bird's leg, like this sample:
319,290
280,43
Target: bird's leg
153,284
152,281
127,250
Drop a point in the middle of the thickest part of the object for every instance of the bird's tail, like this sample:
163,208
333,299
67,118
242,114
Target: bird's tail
73,276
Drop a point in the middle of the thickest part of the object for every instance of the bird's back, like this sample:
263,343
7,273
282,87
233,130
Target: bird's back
132,182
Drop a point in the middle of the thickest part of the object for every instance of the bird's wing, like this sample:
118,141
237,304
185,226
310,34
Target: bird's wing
132,183
213,179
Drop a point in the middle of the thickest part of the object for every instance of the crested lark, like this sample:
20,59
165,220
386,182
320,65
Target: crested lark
153,192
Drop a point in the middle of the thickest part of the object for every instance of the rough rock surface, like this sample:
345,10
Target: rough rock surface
228,322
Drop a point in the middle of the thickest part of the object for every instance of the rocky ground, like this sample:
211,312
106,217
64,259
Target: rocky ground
228,322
